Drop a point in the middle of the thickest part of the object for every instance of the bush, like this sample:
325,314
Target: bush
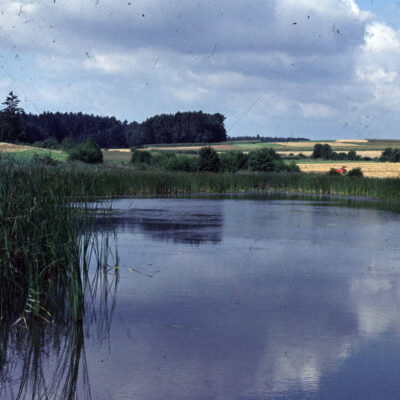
355,172
68,143
333,172
182,163
141,157
266,160
49,143
208,160
88,152
391,155
322,151
228,162
292,167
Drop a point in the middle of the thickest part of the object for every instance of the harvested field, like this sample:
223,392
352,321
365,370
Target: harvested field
217,147
121,150
370,169
116,155
352,141
311,144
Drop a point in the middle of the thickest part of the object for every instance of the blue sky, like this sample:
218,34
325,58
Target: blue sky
318,69
385,10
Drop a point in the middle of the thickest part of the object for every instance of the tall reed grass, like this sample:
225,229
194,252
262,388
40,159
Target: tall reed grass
106,181
42,242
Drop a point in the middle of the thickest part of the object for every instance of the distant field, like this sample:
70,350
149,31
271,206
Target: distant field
29,151
359,145
117,155
370,169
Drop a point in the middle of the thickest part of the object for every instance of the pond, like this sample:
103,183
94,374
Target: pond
237,299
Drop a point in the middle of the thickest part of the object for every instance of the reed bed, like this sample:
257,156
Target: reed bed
103,181
44,242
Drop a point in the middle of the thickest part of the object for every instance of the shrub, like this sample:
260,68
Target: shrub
49,143
352,155
88,152
292,167
228,162
322,151
333,172
355,172
182,163
389,154
241,160
208,160
68,143
266,160
141,157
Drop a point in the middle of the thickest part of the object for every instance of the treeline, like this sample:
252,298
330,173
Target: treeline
266,139
208,160
325,152
49,129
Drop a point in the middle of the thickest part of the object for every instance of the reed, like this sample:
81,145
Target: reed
43,240
106,181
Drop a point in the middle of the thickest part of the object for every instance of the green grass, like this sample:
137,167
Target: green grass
257,146
29,154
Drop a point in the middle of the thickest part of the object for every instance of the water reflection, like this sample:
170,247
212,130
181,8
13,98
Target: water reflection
173,220
47,359
294,297
294,300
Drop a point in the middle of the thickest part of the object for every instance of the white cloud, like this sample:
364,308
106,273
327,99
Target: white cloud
316,110
303,60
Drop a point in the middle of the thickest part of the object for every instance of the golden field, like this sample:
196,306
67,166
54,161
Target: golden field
370,169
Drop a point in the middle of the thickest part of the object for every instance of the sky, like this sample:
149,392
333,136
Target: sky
326,69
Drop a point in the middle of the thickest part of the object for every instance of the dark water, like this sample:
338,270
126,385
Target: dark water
245,299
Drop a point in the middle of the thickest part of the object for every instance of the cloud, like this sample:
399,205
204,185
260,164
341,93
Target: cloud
305,61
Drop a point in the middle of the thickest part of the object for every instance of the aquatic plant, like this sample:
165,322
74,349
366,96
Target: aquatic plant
42,243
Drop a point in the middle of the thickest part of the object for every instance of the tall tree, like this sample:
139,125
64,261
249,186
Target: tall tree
12,126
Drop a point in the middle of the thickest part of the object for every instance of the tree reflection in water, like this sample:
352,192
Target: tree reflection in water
46,360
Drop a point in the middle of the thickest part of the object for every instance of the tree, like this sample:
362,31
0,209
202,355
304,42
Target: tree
322,151
389,154
88,152
266,160
208,160
12,126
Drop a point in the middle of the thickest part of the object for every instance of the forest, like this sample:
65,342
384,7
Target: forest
109,132
50,129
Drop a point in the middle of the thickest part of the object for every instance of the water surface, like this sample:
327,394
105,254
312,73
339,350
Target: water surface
249,299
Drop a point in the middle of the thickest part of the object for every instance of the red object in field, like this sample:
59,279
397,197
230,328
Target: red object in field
342,170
